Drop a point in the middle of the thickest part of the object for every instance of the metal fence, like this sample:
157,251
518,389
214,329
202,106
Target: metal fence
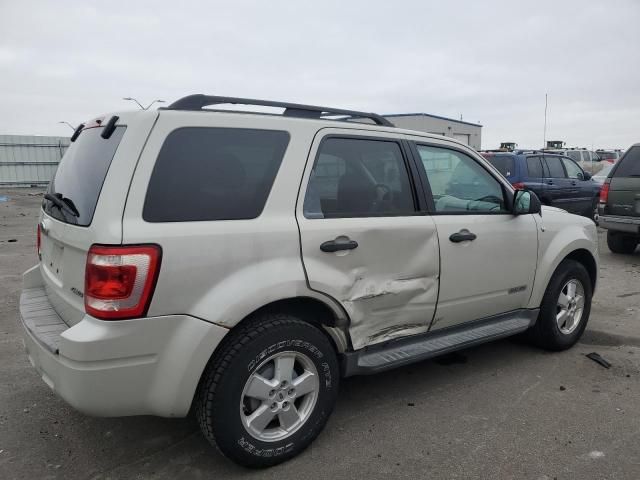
29,160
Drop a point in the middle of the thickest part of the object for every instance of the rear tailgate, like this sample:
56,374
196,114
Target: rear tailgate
93,178
624,188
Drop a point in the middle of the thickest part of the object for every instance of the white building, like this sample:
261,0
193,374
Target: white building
465,132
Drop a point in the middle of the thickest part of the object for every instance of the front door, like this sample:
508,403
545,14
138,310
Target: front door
488,255
365,239
582,190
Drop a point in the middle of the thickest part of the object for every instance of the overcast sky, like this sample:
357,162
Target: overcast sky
490,61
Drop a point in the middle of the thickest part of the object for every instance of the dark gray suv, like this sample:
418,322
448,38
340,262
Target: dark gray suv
619,207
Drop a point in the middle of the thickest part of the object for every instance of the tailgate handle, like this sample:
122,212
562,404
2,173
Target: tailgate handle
333,246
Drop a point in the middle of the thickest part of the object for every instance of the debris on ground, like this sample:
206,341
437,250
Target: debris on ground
562,388
598,359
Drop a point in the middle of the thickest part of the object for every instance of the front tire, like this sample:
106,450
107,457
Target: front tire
269,390
565,308
621,243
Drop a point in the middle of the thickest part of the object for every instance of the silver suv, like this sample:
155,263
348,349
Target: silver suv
239,264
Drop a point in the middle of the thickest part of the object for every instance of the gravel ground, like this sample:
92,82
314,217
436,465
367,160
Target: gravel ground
502,410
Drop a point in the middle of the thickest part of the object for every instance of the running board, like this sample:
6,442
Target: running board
415,348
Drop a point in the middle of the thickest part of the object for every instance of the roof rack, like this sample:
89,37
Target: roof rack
199,101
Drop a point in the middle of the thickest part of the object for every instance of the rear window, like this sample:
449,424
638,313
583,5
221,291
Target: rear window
629,166
80,175
213,174
504,164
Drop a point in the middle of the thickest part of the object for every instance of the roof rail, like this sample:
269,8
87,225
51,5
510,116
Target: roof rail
199,101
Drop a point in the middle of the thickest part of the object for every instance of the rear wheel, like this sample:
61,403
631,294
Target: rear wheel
269,391
565,308
621,243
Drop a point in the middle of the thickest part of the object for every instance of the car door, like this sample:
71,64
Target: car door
366,239
534,179
583,191
557,185
488,256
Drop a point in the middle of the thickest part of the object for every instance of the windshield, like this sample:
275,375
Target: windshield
80,175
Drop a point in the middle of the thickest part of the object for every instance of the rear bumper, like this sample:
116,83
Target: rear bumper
147,366
622,224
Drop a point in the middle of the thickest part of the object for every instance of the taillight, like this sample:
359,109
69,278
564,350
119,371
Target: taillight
604,192
38,241
119,280
518,186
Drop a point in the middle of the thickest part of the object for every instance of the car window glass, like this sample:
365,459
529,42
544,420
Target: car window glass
629,165
573,170
555,167
358,178
534,167
459,184
213,174
574,155
504,164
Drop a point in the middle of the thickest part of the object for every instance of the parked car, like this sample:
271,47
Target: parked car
557,180
619,209
611,156
602,175
241,263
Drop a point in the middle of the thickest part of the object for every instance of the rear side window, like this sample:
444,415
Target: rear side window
574,155
213,174
555,167
629,166
358,178
534,167
80,175
504,164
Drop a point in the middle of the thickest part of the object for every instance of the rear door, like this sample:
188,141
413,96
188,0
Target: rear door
624,189
91,182
366,239
534,176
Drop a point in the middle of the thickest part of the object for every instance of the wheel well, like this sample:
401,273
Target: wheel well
316,313
585,258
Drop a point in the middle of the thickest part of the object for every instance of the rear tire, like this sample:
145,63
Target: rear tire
269,390
556,329
621,243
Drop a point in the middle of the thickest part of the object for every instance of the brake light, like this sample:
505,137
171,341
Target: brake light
38,241
604,192
518,185
119,280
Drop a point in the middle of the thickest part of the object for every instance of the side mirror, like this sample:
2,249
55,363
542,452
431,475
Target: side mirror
586,176
526,202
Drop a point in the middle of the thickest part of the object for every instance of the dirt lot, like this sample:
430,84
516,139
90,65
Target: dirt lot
503,410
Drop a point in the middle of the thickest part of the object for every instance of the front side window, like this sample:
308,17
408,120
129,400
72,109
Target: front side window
358,178
213,174
459,184
573,170
554,167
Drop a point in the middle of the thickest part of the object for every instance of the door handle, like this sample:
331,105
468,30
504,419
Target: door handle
549,182
573,182
462,235
333,246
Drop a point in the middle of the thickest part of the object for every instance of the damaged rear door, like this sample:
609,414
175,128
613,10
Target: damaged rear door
365,238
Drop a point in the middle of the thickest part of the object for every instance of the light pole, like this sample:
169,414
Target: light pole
69,125
140,105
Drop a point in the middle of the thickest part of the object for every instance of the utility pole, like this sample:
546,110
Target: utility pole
544,134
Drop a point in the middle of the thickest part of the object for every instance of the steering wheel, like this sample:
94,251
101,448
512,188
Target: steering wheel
490,199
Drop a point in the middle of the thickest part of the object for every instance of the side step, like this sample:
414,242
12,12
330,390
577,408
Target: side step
431,344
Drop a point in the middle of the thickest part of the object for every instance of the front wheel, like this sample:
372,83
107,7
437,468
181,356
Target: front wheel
565,308
269,391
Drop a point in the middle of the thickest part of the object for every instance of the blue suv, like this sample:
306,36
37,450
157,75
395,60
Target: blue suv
557,180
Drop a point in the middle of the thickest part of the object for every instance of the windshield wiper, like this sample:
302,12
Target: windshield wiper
62,203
